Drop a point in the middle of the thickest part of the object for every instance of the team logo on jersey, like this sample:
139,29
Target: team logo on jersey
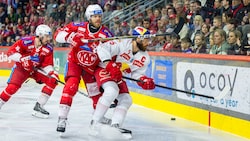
86,58
85,47
27,42
138,63
126,56
78,24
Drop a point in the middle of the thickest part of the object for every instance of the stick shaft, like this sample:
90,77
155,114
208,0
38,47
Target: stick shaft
44,73
174,89
124,37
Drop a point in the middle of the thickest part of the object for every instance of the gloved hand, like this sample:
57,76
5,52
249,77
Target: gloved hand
146,83
29,62
75,39
114,69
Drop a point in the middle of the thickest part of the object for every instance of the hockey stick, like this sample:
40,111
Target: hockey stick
221,95
123,37
44,73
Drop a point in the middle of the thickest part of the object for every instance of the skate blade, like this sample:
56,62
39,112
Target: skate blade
112,133
40,115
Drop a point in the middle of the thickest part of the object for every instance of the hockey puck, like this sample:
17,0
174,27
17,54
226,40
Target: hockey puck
173,118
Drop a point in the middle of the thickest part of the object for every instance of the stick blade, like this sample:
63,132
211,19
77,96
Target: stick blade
223,93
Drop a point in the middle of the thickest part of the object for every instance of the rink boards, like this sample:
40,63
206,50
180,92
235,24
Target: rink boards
204,75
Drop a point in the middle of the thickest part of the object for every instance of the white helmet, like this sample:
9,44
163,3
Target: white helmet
42,30
94,9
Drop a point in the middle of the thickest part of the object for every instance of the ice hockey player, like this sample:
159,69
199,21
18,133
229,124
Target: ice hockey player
82,59
117,57
34,59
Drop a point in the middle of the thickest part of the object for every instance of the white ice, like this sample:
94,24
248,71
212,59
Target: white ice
17,124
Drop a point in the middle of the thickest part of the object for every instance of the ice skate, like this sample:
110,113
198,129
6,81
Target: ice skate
127,134
105,120
40,112
61,125
94,128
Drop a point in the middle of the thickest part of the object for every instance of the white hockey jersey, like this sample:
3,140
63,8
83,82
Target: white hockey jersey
121,51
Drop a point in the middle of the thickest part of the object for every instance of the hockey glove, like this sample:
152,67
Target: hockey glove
75,39
114,69
146,83
29,62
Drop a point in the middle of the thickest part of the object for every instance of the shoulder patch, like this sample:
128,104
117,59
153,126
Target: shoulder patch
27,40
78,23
50,47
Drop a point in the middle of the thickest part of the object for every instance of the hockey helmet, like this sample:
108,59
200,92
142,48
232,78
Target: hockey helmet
94,9
140,31
42,30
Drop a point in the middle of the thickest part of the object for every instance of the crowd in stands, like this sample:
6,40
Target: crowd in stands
19,18
214,27
194,26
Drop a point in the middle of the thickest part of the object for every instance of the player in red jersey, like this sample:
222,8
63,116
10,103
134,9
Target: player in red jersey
82,59
34,59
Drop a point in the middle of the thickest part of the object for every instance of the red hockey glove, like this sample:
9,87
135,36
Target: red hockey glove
75,39
29,62
146,83
114,69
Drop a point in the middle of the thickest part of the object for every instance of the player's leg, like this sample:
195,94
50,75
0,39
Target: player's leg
16,79
110,92
94,92
50,84
124,102
72,79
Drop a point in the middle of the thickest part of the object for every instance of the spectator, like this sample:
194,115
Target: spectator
124,28
132,25
217,23
161,40
146,24
173,45
220,45
236,6
49,9
26,24
234,40
3,14
242,14
198,21
226,6
8,42
186,44
218,9
199,44
205,31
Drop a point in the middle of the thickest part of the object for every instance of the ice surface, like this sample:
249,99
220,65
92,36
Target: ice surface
17,124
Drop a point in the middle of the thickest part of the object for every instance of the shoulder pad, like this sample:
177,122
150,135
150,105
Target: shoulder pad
78,23
107,32
50,47
27,40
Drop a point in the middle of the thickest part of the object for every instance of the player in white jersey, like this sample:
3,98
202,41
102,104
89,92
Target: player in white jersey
117,57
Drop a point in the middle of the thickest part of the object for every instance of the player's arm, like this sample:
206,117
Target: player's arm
47,64
106,52
66,33
14,52
146,82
